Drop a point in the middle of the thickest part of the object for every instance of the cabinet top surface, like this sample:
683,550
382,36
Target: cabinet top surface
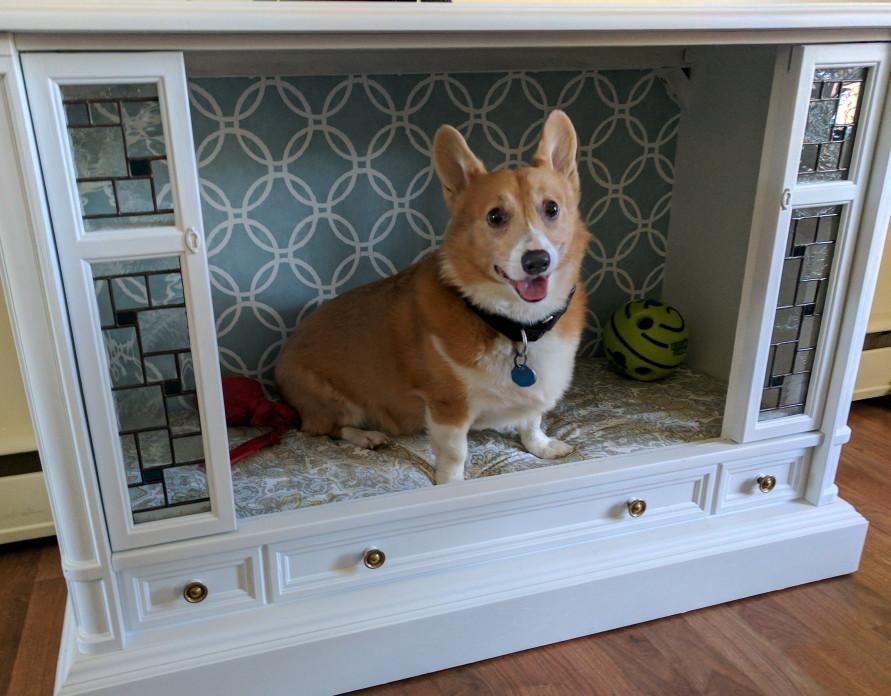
459,16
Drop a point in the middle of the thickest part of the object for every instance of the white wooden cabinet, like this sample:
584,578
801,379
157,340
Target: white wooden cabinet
762,224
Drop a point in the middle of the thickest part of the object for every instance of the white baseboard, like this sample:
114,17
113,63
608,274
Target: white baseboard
570,592
874,374
24,508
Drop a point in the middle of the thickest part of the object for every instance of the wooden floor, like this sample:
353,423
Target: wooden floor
831,637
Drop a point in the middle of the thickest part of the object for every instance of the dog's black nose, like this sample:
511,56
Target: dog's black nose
536,262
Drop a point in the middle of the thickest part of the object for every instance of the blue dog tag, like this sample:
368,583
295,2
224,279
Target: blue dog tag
523,375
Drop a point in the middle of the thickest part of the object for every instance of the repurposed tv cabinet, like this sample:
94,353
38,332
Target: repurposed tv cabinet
166,164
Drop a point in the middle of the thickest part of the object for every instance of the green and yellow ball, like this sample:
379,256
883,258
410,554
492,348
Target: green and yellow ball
646,339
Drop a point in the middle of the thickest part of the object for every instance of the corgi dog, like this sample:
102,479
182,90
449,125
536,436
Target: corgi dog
482,333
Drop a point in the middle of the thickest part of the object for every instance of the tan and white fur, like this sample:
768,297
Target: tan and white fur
406,353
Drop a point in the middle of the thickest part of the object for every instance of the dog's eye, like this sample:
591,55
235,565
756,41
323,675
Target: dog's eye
496,217
551,210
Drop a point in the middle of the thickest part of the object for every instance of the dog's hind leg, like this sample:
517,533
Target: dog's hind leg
369,439
323,409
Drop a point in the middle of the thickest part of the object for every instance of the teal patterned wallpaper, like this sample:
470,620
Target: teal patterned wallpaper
311,186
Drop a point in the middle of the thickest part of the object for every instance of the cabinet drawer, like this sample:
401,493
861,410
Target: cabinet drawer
155,595
746,483
329,563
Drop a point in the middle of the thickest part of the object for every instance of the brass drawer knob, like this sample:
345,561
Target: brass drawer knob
637,507
195,592
374,558
766,483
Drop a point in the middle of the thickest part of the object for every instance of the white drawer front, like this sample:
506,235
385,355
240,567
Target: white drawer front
154,595
739,487
336,562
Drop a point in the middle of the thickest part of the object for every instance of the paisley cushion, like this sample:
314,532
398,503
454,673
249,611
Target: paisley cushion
602,414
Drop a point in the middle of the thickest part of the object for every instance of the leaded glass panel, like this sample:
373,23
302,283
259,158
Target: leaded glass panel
120,155
831,127
143,315
810,247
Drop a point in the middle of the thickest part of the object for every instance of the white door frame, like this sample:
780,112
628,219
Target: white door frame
780,193
44,73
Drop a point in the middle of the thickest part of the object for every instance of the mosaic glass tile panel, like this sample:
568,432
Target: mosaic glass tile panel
810,247
120,155
142,313
831,126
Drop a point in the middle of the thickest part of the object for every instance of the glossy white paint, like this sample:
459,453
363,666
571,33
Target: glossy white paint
336,642
866,258
483,567
153,596
45,75
779,174
738,481
40,328
464,15
711,208
483,510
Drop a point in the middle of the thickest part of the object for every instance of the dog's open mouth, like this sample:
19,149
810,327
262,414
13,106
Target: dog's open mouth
532,289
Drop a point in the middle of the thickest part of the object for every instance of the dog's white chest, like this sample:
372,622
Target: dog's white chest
494,399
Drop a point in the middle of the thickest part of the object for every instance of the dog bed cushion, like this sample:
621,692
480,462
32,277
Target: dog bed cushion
601,415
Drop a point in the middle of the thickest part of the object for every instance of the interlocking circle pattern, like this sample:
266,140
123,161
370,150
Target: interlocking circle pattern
312,186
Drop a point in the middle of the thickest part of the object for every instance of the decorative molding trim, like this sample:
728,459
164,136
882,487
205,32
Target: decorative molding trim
485,499
197,44
511,15
515,603
33,290
690,502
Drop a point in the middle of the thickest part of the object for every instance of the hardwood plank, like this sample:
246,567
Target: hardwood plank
49,566
648,654
18,567
34,671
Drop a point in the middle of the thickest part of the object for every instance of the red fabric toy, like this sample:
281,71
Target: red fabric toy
246,405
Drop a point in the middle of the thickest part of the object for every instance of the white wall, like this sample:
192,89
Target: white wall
16,434
874,375
24,506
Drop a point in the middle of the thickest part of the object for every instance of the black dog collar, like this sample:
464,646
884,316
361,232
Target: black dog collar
513,330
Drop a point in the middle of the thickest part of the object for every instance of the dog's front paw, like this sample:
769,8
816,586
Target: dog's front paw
552,448
448,475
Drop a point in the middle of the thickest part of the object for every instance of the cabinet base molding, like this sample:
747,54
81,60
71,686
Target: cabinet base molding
563,593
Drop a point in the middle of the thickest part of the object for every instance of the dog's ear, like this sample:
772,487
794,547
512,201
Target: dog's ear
455,164
558,147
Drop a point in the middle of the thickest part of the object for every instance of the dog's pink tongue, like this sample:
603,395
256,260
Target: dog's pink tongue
533,289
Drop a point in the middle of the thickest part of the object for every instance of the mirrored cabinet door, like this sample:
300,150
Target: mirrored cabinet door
826,107
116,146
